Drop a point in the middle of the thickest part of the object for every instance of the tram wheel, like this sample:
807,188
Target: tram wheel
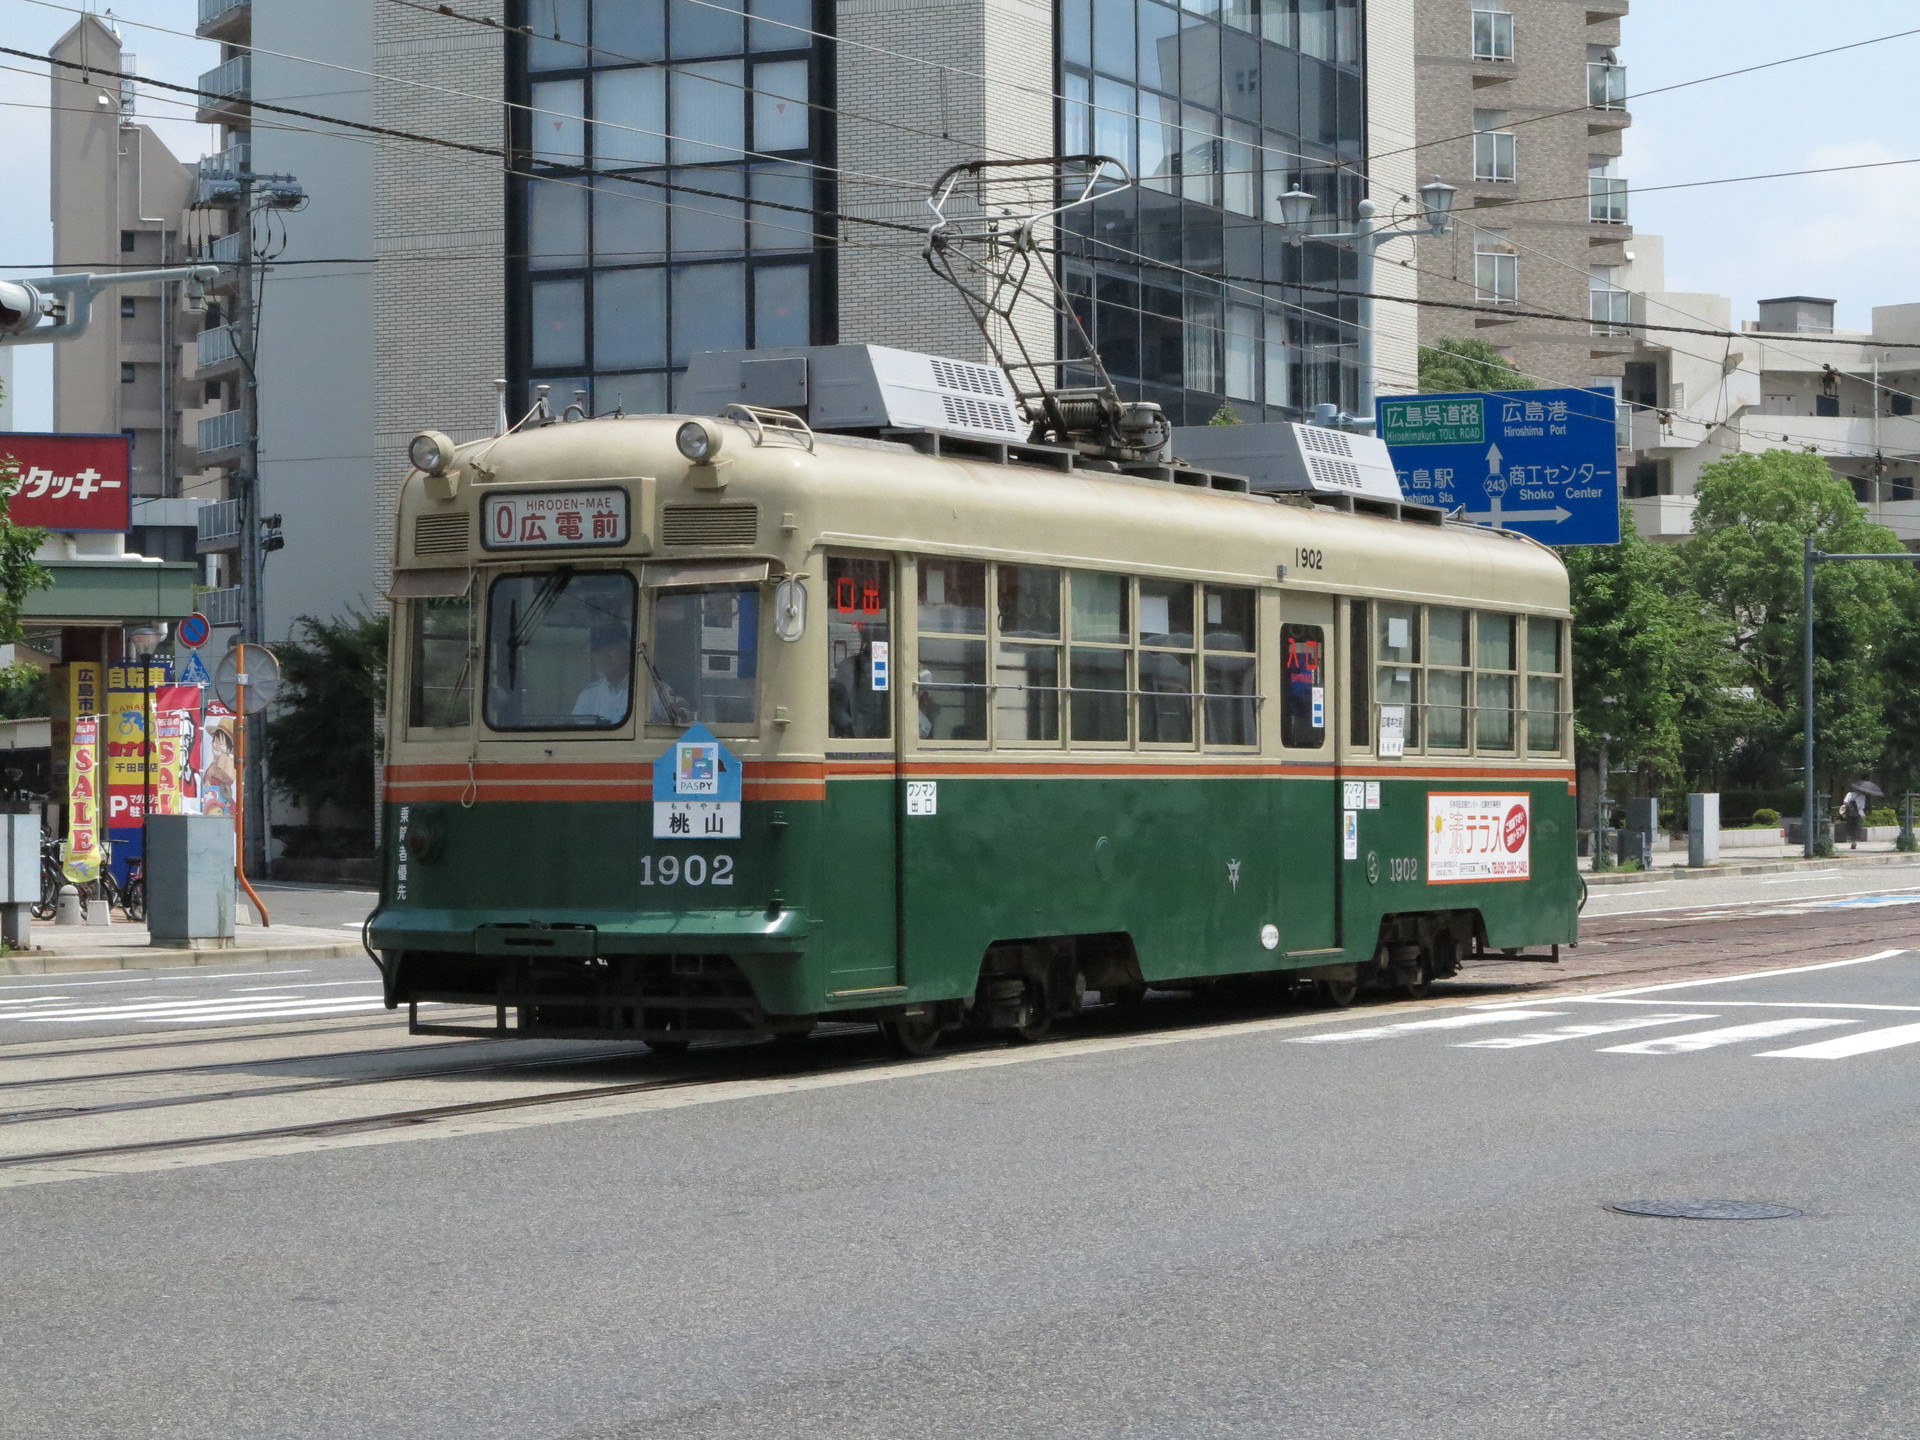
1336,994
912,1036
668,1047
1038,1023
1420,986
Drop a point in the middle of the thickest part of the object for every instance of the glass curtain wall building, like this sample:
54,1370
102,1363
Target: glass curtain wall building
669,203
678,185
1218,109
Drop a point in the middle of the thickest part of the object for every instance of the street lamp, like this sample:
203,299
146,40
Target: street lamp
1436,207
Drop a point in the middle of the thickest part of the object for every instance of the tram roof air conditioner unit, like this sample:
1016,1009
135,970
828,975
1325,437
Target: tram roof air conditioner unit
861,388
1294,457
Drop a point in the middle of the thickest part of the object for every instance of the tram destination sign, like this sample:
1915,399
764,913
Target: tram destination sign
1541,462
554,519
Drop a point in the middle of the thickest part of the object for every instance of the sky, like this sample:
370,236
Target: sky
1842,235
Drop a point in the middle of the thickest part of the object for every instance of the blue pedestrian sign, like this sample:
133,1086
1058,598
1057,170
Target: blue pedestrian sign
195,671
1541,462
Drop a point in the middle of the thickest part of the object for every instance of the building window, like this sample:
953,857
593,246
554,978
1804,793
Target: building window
1900,403
213,392
127,241
128,374
129,307
1493,146
1609,306
1492,34
1643,480
1496,267
1606,192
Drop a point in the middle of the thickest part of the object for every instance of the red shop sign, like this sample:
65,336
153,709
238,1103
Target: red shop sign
70,482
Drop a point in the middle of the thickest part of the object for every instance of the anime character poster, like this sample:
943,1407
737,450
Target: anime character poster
211,774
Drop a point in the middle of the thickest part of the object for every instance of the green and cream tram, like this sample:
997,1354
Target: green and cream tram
823,727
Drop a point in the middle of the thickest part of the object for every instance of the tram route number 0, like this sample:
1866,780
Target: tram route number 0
688,870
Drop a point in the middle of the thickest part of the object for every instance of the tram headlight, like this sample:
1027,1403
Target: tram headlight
431,452
698,441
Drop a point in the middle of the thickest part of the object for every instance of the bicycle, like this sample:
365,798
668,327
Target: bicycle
52,877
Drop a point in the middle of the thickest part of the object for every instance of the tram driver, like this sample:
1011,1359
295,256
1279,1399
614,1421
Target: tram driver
606,697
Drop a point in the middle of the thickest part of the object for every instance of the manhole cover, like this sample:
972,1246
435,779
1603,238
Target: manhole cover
1705,1209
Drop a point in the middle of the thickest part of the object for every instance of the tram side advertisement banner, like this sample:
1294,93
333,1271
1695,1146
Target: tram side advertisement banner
1478,837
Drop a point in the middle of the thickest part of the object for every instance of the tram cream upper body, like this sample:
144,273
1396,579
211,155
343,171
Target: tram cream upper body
848,496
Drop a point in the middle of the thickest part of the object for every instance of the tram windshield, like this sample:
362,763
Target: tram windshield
560,651
704,660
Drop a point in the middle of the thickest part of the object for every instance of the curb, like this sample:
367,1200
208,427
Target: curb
148,957
1768,867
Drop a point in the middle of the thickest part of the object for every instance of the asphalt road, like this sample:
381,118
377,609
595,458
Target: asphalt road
1382,1223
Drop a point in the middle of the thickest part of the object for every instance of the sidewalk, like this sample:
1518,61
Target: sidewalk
1753,860
63,949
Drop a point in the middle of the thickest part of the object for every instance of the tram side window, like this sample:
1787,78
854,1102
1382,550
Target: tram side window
1166,663
1447,678
1230,671
1026,665
859,649
705,657
1396,633
1545,668
1098,661
1359,678
951,688
560,650
440,672
1493,696
1303,715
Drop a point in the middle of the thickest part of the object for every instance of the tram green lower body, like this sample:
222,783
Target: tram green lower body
573,915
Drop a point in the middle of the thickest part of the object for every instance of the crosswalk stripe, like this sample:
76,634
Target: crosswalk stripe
194,1007
1407,1027
1575,1032
343,1007
1843,1046
1727,1035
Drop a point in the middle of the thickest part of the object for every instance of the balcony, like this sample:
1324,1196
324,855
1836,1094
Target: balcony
1606,200
220,19
219,527
1606,86
216,351
228,86
222,437
221,607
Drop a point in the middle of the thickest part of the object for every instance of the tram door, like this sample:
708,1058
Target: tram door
860,887
1310,820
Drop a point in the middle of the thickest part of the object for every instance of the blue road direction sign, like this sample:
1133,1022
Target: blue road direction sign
1538,461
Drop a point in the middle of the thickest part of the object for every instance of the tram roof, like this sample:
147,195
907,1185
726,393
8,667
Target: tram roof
858,493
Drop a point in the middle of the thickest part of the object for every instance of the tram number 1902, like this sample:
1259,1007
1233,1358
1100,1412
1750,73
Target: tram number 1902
687,870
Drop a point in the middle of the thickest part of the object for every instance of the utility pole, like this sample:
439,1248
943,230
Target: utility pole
1365,240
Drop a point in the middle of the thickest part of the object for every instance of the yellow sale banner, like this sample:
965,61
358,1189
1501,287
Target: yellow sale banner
173,732
84,785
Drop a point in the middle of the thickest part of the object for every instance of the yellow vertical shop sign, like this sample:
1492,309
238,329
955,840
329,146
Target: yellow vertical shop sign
84,786
172,732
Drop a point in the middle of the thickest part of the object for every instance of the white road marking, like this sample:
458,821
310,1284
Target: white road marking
1706,909
1728,1035
1844,1046
1755,1004
1450,1022
1750,975
1576,1032
195,1009
332,1007
34,1000
316,985
1803,875
143,980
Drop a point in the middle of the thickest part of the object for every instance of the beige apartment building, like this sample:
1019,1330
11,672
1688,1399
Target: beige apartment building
1522,106
120,201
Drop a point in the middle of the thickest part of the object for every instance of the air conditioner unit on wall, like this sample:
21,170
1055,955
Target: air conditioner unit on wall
862,388
1294,457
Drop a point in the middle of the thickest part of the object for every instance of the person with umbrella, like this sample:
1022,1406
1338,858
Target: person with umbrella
1853,810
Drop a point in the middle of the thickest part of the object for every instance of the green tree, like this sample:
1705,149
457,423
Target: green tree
1744,561
1225,415
1647,663
1462,363
322,739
